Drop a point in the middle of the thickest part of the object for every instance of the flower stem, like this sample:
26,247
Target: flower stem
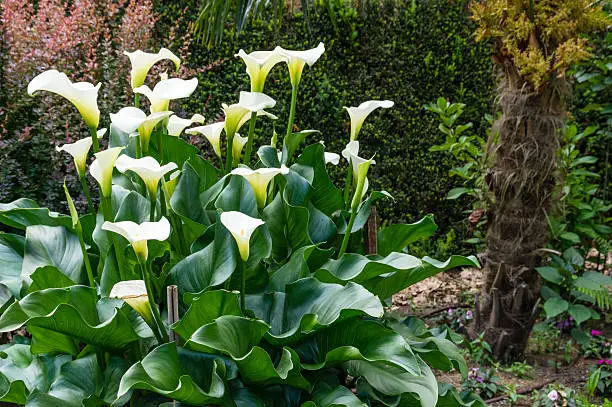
294,92
107,210
138,147
136,99
354,209
160,140
94,139
229,159
90,276
153,200
158,329
242,271
249,145
347,185
87,194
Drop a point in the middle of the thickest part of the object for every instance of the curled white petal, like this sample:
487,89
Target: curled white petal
128,119
249,102
212,132
332,158
79,151
176,124
259,64
143,61
358,114
102,168
297,59
238,145
135,232
241,227
167,90
259,180
147,168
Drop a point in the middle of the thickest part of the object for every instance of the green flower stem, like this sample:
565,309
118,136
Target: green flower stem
242,270
294,92
157,327
94,139
153,200
87,194
249,145
138,147
107,211
229,159
347,185
90,276
160,145
137,99
354,208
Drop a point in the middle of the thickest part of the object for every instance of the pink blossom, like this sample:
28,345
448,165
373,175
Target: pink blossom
595,332
553,395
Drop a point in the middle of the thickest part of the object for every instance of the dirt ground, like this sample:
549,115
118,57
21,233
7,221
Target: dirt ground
456,289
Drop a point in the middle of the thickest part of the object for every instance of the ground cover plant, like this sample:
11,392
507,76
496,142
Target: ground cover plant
254,257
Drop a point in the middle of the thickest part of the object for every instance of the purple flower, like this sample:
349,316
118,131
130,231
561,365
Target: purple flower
604,362
450,311
553,395
595,332
566,324
468,314
479,379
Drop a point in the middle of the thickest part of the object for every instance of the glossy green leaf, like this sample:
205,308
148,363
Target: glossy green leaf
325,395
190,377
395,238
579,312
550,274
61,317
238,196
308,305
555,306
297,267
49,277
134,207
11,258
448,396
25,212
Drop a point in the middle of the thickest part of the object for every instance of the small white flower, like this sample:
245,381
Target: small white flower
143,61
332,158
83,95
167,90
236,114
241,227
176,125
297,59
134,293
259,64
259,180
147,168
553,395
238,145
139,234
130,118
212,132
360,166
102,169
358,114
79,151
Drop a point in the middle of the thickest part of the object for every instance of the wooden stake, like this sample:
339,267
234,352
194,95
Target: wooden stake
172,295
370,233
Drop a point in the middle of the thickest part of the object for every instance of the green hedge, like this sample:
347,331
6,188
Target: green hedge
411,55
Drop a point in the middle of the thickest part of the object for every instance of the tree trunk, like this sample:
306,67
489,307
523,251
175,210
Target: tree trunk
522,150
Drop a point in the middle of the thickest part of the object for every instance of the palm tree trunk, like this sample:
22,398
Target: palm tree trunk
522,150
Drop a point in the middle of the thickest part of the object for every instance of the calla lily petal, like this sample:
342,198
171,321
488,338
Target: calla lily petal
167,90
358,114
259,180
176,124
146,128
170,185
102,168
139,234
249,102
212,132
238,145
79,151
241,227
297,59
351,154
259,64
147,168
83,95
134,293
332,158
128,119
143,61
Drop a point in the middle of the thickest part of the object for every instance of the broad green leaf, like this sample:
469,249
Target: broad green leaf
364,212
49,277
52,246
292,142
356,339
185,201
456,193
392,381
61,317
448,396
257,368
395,238
135,208
325,395
205,308
297,267
11,258
309,305
238,196
579,312
190,377
25,212
550,274
555,306
268,156
208,267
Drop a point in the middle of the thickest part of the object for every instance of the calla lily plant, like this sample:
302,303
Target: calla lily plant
259,266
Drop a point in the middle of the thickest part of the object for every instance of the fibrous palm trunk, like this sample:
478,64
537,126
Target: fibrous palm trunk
522,152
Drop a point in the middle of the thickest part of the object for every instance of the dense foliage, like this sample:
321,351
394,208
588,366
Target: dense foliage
270,299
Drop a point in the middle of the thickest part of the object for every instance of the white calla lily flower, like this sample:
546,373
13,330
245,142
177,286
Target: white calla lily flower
134,293
241,227
248,102
259,64
170,185
130,118
167,90
147,168
332,158
176,124
83,95
360,167
139,234
143,61
259,180
238,145
358,114
79,151
212,132
297,59
102,169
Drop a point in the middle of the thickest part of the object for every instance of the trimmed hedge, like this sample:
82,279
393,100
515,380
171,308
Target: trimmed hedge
411,55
